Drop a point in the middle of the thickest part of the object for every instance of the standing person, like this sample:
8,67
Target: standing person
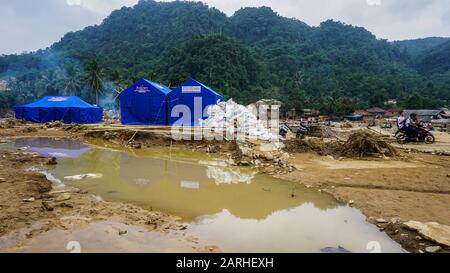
401,120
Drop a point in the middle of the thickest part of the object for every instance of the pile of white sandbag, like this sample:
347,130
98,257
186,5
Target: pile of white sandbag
232,118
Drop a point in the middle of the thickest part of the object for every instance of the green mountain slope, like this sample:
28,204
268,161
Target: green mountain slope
417,46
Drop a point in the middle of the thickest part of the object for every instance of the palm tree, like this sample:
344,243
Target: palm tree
72,80
50,81
94,78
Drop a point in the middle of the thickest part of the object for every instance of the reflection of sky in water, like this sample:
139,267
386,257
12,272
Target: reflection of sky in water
59,148
304,228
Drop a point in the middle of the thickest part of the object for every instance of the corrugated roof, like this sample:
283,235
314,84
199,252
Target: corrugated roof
423,112
376,110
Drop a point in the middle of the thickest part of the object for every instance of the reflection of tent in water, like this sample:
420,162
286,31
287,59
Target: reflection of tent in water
171,188
54,147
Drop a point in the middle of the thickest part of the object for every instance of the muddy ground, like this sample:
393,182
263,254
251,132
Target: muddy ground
408,186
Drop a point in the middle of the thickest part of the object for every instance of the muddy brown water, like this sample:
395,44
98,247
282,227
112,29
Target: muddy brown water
235,208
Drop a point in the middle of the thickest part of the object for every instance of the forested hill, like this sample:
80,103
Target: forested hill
251,55
419,45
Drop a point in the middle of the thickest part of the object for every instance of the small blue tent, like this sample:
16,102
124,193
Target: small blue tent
188,94
144,103
353,117
66,109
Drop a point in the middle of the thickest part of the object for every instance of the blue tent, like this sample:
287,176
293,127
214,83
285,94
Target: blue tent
185,95
353,117
66,109
144,103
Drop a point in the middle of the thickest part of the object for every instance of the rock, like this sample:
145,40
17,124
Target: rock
418,238
50,206
381,221
244,163
122,232
351,202
2,180
432,249
431,231
338,249
63,197
29,200
52,161
396,220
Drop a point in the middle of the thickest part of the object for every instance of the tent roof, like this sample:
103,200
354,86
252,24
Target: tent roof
158,86
59,102
194,82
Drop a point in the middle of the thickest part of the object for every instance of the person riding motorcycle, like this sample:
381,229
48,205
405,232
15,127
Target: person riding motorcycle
412,126
284,129
401,121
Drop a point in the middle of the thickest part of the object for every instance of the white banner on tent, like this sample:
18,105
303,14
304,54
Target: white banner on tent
191,89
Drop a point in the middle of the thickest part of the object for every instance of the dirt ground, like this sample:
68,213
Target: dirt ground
410,186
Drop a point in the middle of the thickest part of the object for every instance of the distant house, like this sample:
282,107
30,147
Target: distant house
427,115
363,113
263,108
393,112
376,111
311,113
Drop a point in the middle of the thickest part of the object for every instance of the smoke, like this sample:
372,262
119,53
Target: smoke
109,100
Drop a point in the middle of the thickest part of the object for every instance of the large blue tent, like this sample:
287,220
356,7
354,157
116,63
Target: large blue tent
66,109
144,103
196,97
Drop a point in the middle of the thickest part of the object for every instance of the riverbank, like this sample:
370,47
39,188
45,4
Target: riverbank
413,186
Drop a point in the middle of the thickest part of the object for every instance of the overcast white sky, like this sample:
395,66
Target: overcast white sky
27,25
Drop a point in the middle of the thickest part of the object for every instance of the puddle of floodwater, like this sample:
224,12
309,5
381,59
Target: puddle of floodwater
234,208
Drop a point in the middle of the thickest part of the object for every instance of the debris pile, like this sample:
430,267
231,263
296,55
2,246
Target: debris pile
111,117
313,145
359,144
346,125
261,155
53,124
363,144
9,123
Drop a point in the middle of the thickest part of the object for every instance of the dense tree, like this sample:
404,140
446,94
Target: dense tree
73,84
94,78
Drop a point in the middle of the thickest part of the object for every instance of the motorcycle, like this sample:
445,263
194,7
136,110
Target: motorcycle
284,129
423,136
300,134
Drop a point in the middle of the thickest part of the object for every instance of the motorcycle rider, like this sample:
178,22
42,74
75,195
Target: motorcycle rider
285,128
412,126
401,121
